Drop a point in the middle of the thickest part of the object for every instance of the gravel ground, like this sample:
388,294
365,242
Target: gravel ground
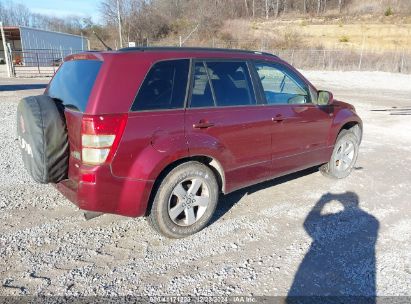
300,234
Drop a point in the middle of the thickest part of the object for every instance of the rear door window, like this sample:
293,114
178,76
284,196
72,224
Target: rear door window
231,83
222,84
73,83
201,95
164,86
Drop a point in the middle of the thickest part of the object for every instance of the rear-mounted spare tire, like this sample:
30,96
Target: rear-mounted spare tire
43,140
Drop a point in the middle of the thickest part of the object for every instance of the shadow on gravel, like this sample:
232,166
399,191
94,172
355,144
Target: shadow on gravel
341,259
22,87
226,202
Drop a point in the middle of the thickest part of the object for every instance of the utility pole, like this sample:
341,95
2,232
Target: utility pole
119,23
6,55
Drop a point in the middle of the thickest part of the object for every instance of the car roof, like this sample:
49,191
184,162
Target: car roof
192,49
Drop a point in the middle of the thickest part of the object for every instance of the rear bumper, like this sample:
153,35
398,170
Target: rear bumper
108,194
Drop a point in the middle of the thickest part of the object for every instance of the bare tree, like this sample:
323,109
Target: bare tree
277,9
266,9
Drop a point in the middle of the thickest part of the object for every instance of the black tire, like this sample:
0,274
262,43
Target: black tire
179,227
336,168
43,139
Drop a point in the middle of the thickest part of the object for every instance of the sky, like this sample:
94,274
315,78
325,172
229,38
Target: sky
62,8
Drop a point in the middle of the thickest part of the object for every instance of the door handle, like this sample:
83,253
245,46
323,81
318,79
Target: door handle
278,118
203,125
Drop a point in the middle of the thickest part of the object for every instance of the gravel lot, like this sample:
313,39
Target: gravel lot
300,234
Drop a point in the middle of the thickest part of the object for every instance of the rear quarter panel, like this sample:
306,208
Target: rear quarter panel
150,142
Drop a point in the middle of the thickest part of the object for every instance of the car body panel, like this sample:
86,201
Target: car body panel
240,139
150,142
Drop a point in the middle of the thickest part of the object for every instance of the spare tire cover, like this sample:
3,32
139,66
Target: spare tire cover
42,135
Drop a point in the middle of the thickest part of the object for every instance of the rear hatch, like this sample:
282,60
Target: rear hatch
72,86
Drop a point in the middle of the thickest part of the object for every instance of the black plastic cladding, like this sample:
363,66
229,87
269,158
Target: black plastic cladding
194,49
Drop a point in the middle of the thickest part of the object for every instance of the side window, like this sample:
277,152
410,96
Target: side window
231,83
281,86
201,95
164,86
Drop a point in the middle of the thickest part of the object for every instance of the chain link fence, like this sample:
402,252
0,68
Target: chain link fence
347,60
398,61
35,63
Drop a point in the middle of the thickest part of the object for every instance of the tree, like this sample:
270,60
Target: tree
246,8
277,9
340,5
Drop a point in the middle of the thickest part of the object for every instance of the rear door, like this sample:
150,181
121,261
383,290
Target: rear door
305,125
155,127
71,87
225,121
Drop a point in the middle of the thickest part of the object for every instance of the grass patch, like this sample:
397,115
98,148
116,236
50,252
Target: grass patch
344,39
388,12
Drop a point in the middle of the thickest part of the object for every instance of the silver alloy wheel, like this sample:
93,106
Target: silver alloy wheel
188,201
345,155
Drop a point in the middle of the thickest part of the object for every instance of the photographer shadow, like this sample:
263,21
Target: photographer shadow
341,259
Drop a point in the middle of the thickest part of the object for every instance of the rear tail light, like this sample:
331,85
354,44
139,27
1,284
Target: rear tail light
100,136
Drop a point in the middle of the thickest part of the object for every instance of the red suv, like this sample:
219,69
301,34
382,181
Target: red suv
163,131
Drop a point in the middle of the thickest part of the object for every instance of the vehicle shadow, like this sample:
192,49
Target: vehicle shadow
341,259
226,202
22,87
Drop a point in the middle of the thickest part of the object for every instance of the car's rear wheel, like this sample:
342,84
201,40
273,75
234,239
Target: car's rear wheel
344,155
185,200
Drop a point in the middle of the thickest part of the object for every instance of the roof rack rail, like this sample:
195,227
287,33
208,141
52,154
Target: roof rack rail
199,49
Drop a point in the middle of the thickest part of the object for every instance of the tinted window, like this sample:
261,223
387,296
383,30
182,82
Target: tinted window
73,83
281,86
164,86
201,95
231,83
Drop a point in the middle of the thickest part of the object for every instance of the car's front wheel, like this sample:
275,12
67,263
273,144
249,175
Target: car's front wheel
185,200
344,155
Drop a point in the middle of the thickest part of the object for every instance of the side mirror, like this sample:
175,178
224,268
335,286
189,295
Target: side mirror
325,98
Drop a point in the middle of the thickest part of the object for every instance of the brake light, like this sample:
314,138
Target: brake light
100,136
88,178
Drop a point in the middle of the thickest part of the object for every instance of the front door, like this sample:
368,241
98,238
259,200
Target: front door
225,122
302,142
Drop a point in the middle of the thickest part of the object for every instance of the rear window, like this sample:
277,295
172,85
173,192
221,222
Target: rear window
73,83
